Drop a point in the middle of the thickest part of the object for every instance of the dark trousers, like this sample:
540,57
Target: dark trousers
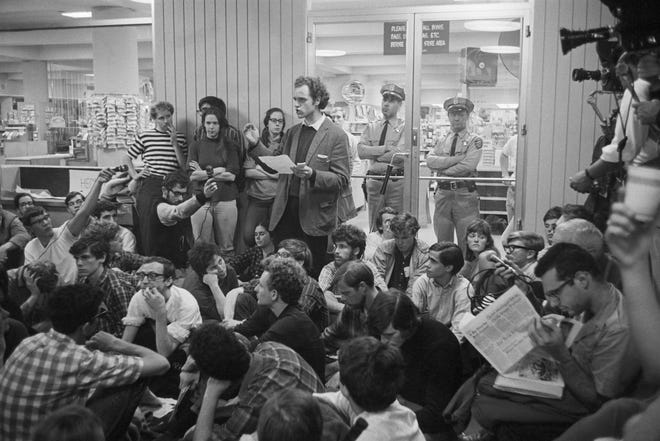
289,228
149,190
258,211
166,385
115,407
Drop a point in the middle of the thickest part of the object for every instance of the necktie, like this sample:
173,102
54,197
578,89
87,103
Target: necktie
381,141
453,145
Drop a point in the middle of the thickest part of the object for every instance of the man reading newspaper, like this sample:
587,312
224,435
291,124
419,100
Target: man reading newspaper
597,366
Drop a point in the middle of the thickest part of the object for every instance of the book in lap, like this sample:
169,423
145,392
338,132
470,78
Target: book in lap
500,334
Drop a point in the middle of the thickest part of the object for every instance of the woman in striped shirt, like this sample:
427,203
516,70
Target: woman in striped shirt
163,151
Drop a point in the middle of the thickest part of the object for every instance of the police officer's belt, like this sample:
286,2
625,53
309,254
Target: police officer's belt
395,172
455,185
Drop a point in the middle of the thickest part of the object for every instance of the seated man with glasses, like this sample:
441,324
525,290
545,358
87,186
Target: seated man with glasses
65,364
522,249
598,366
52,244
160,316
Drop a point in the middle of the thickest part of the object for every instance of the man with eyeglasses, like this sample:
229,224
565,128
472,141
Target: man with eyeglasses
598,366
52,244
522,249
65,364
160,316
169,232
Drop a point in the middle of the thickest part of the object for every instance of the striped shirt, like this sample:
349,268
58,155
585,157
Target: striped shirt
157,152
48,371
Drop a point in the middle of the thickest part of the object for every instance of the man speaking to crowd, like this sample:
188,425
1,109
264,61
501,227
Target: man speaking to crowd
305,205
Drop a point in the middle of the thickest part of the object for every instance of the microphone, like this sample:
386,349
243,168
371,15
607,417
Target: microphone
493,258
356,430
120,168
209,171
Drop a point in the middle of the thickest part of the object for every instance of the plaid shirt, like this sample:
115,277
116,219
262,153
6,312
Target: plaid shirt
248,264
313,303
118,291
126,261
274,367
48,371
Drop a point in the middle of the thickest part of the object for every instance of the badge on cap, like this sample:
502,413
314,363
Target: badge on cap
458,103
394,90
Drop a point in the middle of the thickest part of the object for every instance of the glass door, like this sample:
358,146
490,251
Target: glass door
356,55
465,61
471,51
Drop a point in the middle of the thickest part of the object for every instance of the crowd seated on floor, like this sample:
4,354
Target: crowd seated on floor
324,334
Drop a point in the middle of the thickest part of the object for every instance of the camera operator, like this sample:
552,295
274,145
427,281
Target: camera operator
639,143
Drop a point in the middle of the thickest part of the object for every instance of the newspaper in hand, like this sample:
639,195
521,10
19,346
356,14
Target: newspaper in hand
500,332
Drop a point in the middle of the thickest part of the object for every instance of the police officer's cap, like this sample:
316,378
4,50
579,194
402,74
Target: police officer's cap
458,103
393,90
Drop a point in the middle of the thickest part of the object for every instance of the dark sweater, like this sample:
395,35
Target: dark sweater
432,373
202,293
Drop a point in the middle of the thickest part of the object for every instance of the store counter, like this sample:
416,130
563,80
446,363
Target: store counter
58,159
58,181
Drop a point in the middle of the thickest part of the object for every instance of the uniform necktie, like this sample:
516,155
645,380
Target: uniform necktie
381,141
453,145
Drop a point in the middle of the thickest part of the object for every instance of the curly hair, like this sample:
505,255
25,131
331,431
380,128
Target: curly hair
404,223
101,231
287,277
45,273
372,372
103,206
317,90
299,251
200,255
478,226
290,414
218,353
160,106
379,219
352,235
71,306
175,178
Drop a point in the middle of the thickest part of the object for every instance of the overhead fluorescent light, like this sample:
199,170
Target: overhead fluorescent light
507,106
89,75
492,25
330,53
501,49
78,14
147,2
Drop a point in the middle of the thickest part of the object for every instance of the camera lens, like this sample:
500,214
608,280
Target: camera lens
583,74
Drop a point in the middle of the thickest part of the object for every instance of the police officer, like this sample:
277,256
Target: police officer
379,141
456,156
